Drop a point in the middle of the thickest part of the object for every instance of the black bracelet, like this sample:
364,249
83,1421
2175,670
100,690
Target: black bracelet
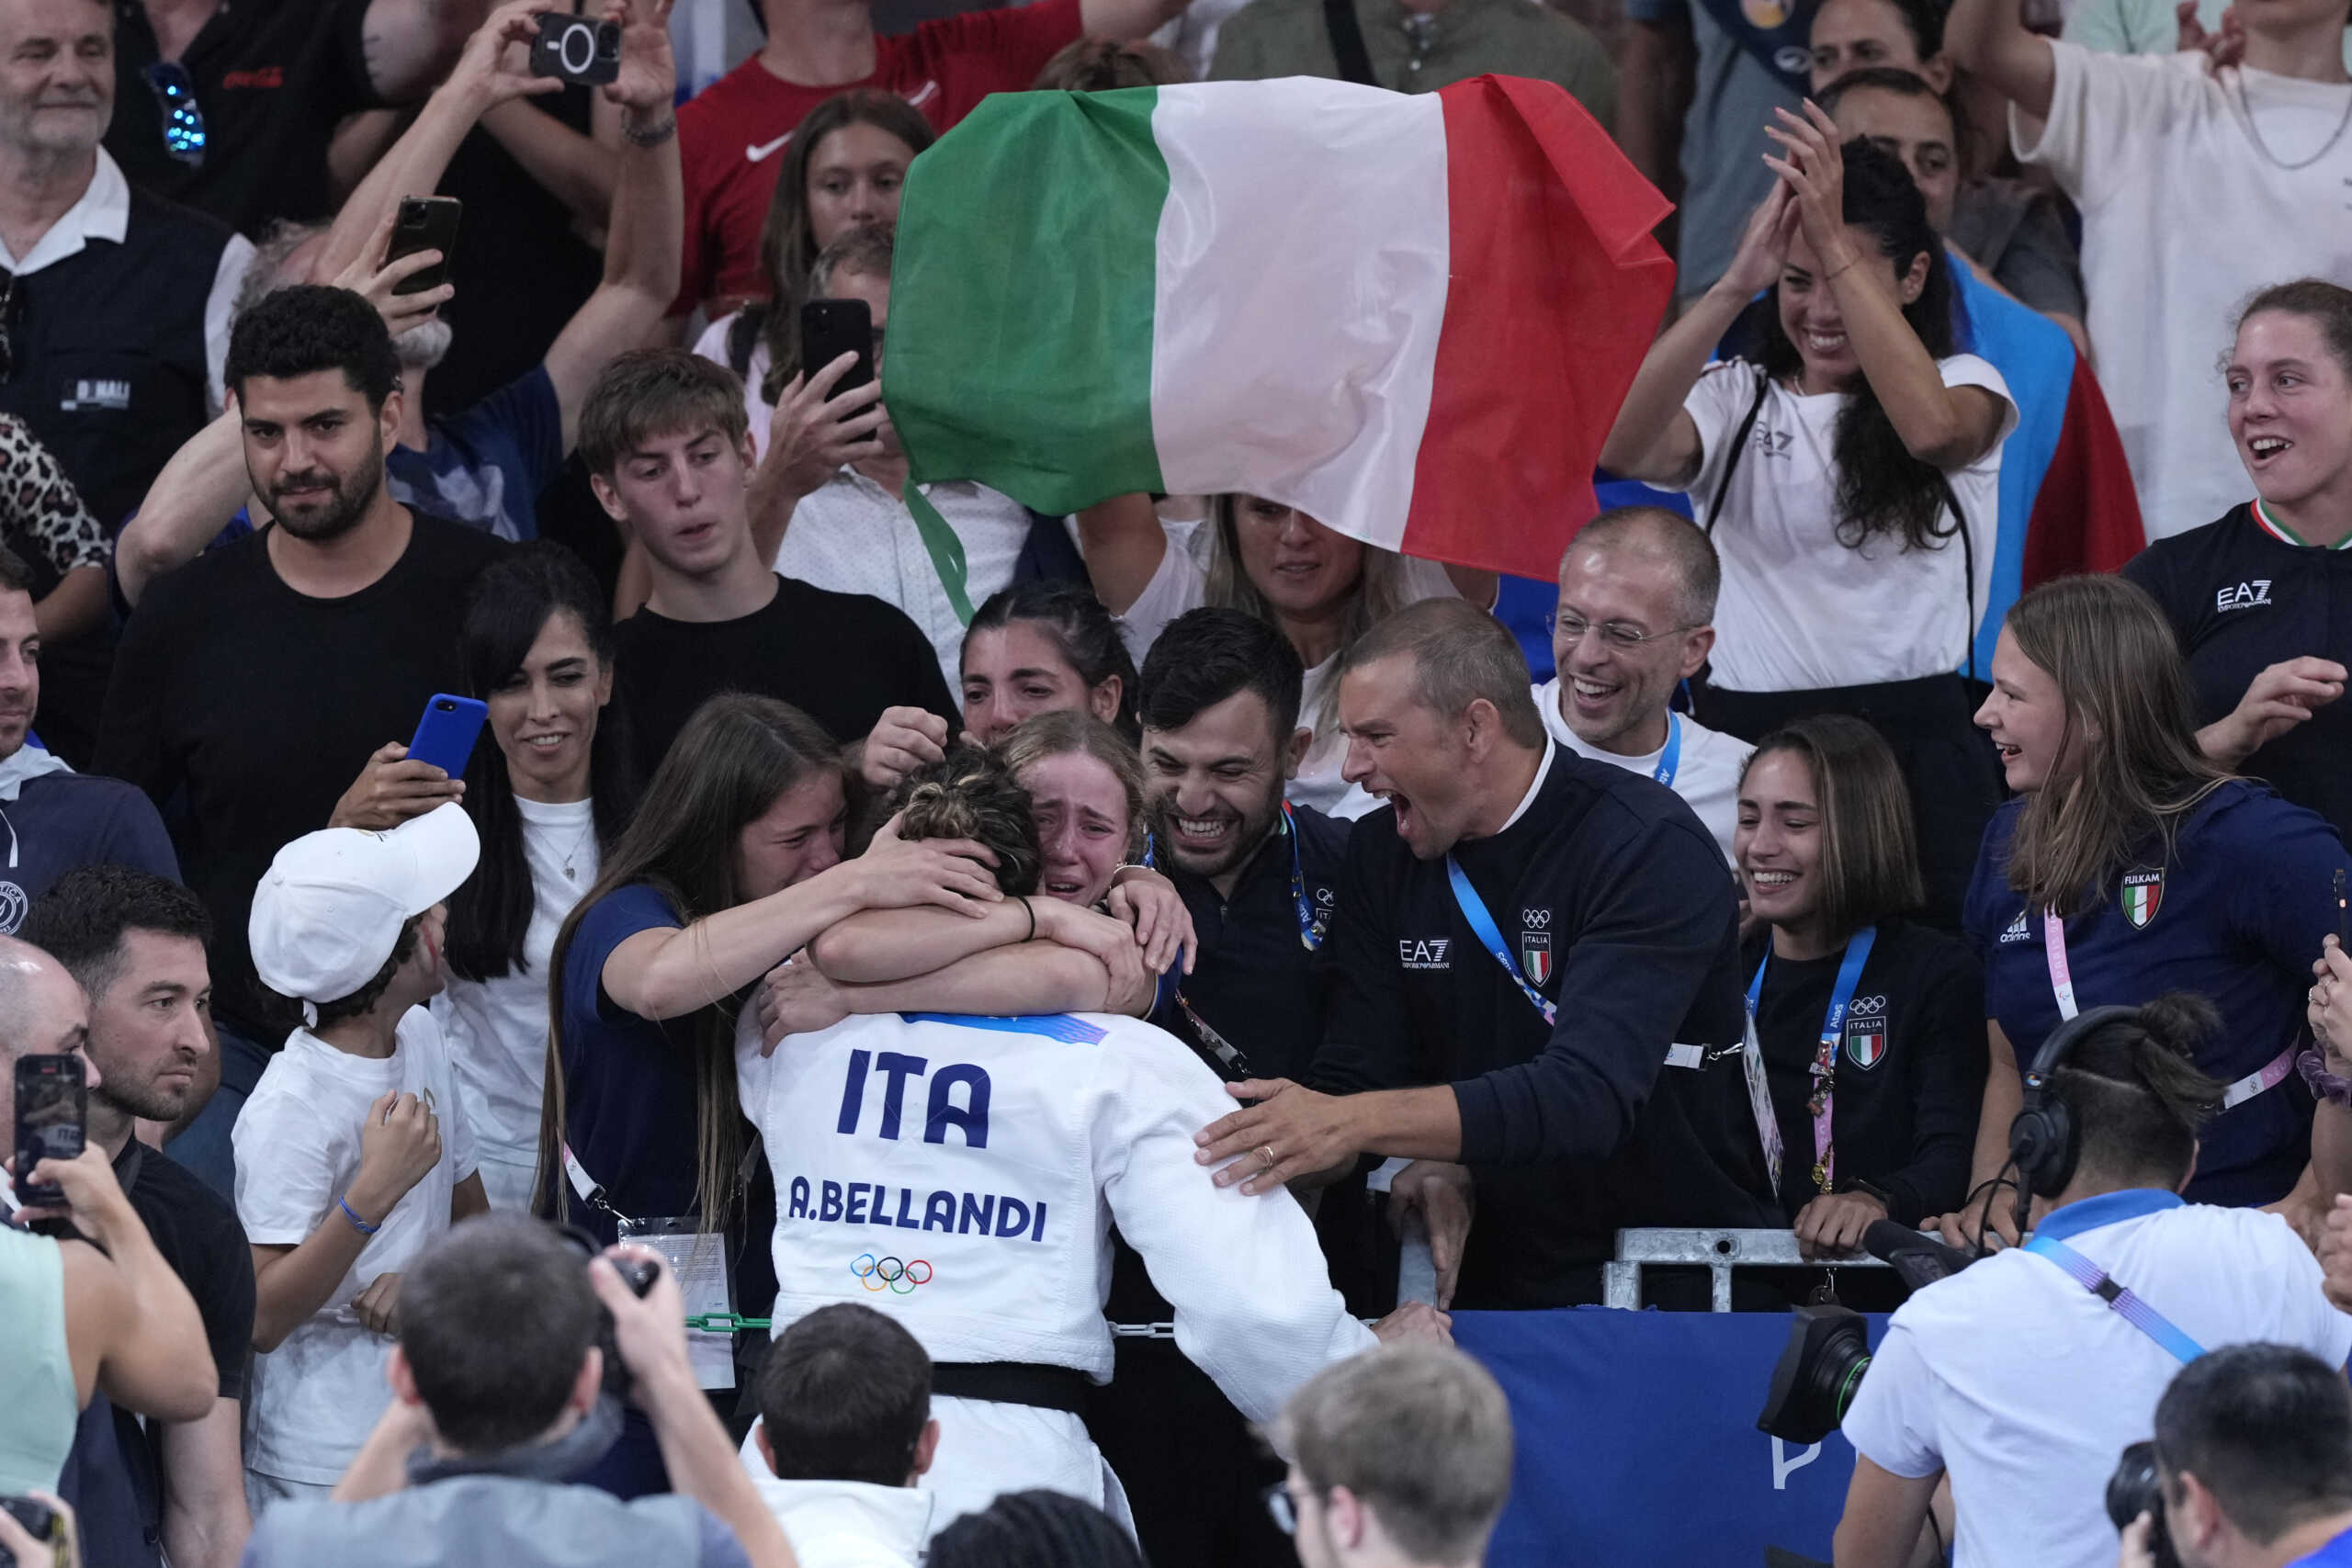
1032,909
649,137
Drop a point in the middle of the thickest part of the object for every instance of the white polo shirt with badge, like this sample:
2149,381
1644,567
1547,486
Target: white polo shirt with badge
2025,1386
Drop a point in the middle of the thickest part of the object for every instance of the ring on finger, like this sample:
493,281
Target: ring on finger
1266,1155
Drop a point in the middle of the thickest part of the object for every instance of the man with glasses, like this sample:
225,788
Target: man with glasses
1637,603
1399,1459
114,305
229,108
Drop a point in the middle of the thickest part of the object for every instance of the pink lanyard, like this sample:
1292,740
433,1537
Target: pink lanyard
2053,948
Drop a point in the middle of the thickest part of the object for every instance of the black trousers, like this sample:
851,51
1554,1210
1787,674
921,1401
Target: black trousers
1954,773
1195,1474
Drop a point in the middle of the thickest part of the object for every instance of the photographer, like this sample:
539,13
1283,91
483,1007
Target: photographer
2025,1375
2253,1460
498,1384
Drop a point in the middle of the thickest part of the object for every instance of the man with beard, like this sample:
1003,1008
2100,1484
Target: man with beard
1218,698
259,679
134,944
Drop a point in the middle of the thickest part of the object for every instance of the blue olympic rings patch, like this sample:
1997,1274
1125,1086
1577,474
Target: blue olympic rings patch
890,1273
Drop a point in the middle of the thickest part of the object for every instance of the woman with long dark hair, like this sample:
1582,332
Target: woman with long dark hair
2131,865
1849,474
549,794
1871,1025
732,862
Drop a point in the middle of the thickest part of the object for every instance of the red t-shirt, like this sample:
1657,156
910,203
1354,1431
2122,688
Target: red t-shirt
732,138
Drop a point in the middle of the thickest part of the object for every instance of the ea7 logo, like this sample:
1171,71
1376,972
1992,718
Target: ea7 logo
2245,596
1772,443
1425,953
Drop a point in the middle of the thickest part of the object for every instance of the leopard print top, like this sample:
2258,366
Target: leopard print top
41,515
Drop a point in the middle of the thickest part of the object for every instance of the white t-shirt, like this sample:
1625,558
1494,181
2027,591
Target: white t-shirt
2025,1386
2184,215
1706,770
1182,583
297,1141
497,1029
1798,610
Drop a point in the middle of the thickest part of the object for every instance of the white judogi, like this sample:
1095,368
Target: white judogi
962,1174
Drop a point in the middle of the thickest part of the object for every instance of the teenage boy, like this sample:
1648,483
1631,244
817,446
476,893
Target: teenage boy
352,1155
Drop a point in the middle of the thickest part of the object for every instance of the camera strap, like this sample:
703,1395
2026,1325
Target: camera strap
2118,1297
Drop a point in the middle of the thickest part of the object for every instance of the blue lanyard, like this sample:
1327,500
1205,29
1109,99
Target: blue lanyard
1474,909
1310,928
2119,1298
1820,1105
1850,975
1670,762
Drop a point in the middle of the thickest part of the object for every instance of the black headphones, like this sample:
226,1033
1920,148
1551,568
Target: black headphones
2042,1140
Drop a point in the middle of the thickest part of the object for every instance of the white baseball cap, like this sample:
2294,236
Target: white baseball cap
329,912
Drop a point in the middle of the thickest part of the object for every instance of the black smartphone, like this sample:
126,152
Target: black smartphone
830,328
424,223
446,735
52,1111
574,49
38,1520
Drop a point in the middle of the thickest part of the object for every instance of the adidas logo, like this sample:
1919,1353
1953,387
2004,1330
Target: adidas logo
2016,931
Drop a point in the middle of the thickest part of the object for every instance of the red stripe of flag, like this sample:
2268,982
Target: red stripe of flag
1557,290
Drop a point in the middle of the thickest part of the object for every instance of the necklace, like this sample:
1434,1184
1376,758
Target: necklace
571,856
2245,109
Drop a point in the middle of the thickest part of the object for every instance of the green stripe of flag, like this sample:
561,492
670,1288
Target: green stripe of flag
985,313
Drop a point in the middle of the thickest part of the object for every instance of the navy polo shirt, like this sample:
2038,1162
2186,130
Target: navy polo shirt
2241,599
2235,914
629,1085
1254,980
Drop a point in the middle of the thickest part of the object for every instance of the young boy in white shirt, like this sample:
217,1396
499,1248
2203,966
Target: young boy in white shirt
352,1155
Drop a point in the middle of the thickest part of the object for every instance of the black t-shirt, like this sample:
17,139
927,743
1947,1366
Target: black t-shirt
245,710
1611,900
839,658
198,1235
273,78
1255,980
2241,599
1909,1075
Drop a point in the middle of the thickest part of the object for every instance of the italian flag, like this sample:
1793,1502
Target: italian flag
1413,317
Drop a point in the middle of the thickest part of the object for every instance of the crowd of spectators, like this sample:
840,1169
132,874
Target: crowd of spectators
1933,808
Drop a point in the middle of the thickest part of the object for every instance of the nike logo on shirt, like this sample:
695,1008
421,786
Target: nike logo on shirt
762,151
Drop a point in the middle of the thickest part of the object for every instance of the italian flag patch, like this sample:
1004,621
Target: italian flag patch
2143,892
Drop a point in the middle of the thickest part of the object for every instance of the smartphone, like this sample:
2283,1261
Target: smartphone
53,1111
446,735
830,328
424,223
573,49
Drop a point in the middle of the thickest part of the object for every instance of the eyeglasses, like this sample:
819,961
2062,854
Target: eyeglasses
1282,1507
1570,628
182,116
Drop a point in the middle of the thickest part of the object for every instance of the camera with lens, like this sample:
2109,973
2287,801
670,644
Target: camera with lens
574,49
41,1522
1828,1348
2134,1490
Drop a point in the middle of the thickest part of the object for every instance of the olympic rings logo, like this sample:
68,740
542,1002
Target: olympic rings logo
878,1274
1869,1007
1535,920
